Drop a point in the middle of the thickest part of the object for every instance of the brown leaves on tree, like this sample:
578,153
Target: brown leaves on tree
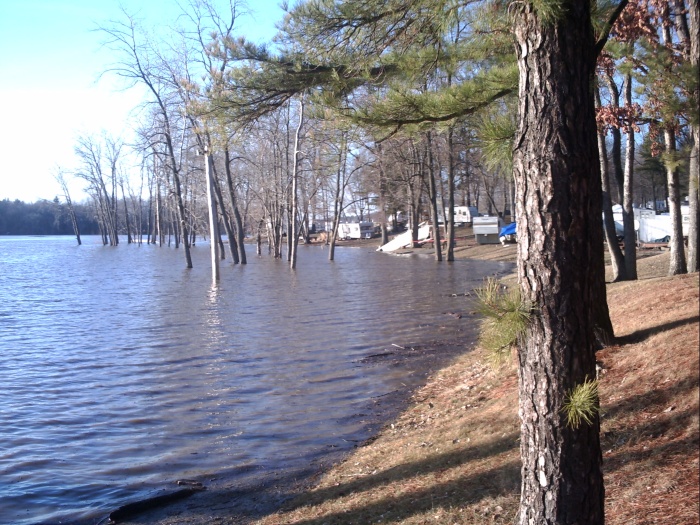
635,22
625,117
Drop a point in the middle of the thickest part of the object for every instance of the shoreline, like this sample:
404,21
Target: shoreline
264,502
232,503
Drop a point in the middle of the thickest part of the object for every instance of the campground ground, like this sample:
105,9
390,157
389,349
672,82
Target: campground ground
452,456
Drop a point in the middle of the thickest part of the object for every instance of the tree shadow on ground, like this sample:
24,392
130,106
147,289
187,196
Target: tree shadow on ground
245,504
642,335
431,464
657,396
656,455
462,491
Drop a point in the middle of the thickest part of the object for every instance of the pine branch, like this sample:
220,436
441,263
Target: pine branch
603,39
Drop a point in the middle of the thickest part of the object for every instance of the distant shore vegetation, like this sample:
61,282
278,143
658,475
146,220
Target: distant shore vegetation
44,217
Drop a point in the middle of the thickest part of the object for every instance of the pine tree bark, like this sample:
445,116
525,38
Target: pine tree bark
450,215
627,193
617,260
295,191
556,169
677,264
694,182
616,151
432,193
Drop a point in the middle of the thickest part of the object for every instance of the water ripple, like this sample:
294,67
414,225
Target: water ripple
123,371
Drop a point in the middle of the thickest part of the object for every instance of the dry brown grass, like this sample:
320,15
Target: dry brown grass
452,457
650,402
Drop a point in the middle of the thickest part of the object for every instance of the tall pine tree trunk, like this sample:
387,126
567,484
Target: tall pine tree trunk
432,193
294,212
677,264
557,175
617,259
450,215
627,193
694,182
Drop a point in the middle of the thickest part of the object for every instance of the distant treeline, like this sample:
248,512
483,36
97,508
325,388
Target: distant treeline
45,218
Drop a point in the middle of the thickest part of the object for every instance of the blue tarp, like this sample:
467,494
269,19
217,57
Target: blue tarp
507,230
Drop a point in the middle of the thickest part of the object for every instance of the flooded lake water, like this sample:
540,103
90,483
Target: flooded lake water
122,371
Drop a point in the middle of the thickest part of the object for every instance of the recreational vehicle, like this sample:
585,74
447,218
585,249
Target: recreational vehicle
463,214
356,230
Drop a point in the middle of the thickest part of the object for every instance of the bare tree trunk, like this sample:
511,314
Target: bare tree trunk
450,222
556,170
616,257
129,238
239,229
71,211
159,215
694,182
627,193
382,196
340,185
432,193
295,188
213,220
226,219
617,141
677,264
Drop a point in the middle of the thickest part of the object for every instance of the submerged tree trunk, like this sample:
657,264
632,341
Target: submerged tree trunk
69,203
341,182
213,220
127,220
237,221
382,197
450,215
556,170
294,212
432,193
225,218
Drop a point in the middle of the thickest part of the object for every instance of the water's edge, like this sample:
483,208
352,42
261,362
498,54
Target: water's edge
227,502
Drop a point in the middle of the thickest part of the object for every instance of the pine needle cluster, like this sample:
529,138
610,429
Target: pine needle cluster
506,317
581,404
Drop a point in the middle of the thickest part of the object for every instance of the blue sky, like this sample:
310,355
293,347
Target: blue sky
50,63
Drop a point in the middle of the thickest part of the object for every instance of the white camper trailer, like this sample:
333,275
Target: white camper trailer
463,214
356,230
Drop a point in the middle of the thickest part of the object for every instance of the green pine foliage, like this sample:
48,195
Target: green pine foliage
495,134
581,404
506,318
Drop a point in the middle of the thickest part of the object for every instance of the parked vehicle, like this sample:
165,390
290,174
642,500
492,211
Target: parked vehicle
356,230
463,214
